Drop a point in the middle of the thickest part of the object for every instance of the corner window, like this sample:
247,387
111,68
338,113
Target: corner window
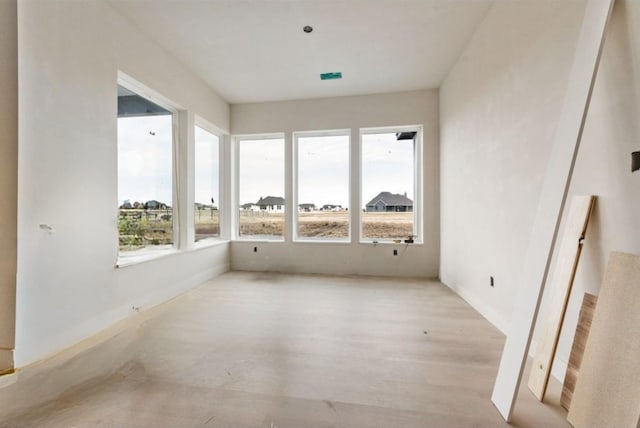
145,173
322,173
261,188
391,171
207,185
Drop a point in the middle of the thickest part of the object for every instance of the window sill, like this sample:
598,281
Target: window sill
375,243
152,253
130,258
322,241
259,239
208,243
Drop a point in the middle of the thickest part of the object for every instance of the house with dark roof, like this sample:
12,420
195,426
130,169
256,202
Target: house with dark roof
306,207
271,203
390,202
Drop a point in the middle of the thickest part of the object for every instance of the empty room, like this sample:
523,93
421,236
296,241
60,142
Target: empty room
319,213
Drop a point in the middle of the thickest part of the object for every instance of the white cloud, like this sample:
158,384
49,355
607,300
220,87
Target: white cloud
145,159
207,167
387,166
323,170
261,169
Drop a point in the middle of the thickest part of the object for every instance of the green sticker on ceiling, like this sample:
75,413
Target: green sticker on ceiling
331,76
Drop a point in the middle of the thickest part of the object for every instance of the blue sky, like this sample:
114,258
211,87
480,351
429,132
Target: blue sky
323,170
145,153
206,167
144,159
387,166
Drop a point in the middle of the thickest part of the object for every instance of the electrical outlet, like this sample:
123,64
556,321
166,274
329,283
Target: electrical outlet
491,283
255,249
395,252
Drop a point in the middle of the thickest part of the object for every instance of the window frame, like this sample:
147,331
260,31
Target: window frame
295,184
236,141
131,257
212,129
418,164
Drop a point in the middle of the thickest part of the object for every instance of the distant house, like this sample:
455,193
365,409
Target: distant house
155,205
271,203
390,202
200,206
306,207
249,207
331,207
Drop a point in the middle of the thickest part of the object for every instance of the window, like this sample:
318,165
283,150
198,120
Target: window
207,187
145,173
261,187
322,186
391,171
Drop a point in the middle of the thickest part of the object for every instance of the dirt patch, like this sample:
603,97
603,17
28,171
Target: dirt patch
139,228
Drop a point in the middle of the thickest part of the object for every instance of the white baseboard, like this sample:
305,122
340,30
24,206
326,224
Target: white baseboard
484,309
99,354
559,367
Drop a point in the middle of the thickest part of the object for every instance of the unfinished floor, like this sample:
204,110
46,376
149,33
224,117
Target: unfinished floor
276,351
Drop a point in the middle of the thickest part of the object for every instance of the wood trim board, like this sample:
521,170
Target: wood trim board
607,392
560,289
577,349
6,361
551,204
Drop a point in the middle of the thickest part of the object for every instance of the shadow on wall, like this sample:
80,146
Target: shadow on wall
591,265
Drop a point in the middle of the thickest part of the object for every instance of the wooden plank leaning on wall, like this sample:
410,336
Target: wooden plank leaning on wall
560,289
577,349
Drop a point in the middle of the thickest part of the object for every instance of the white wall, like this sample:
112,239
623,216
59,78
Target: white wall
603,166
68,286
499,110
406,108
8,176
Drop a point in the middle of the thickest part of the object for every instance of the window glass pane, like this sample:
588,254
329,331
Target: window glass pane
145,181
323,187
387,186
261,188
207,188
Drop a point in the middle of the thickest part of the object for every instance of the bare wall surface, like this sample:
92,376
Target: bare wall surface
397,109
8,177
68,286
498,116
499,109
603,167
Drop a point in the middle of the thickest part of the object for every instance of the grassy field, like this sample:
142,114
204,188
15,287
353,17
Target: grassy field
207,223
320,224
140,228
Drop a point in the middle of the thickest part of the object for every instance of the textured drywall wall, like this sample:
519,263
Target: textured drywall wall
70,53
603,166
499,110
396,109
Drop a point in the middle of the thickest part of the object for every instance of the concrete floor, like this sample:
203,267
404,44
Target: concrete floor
276,351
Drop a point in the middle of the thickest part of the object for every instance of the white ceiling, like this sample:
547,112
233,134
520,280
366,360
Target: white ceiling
255,50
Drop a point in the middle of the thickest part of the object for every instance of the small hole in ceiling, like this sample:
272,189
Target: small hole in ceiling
307,29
